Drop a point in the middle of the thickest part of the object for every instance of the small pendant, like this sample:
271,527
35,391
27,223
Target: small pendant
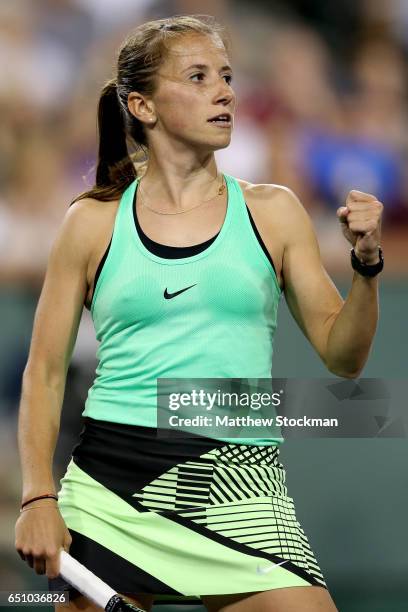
221,189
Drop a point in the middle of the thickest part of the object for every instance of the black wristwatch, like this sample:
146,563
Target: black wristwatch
364,269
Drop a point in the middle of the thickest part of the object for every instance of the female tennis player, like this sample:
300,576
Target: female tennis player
182,267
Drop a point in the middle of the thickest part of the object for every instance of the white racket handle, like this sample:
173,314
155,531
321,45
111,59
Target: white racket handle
84,580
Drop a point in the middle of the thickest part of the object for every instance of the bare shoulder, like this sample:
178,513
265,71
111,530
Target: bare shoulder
92,214
275,204
91,222
269,194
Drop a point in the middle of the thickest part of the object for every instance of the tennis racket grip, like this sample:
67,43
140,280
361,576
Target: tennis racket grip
91,586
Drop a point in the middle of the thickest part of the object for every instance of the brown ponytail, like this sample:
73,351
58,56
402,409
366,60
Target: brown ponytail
115,169
139,59
112,138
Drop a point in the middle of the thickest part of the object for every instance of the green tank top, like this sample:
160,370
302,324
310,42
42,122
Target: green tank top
220,326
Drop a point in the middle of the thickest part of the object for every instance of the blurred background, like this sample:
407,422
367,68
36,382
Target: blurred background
322,108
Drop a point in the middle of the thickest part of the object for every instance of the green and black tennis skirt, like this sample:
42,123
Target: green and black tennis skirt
181,518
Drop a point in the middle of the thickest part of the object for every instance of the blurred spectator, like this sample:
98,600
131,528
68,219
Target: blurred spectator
311,114
110,14
335,164
32,207
34,68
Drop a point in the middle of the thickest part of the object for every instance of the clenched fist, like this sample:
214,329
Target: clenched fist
361,224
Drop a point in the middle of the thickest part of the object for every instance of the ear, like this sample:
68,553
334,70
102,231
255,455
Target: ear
141,107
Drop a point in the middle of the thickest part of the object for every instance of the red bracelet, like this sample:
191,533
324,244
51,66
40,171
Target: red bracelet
46,496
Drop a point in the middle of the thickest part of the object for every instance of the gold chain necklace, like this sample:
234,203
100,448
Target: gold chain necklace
221,190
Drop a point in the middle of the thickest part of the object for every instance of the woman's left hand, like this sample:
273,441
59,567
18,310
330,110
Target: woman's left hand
361,224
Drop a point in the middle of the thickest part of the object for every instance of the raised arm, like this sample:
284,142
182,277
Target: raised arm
40,531
340,331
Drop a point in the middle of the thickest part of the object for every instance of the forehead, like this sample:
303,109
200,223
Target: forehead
194,49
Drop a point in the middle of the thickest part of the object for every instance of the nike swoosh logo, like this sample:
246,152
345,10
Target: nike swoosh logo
266,570
169,296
